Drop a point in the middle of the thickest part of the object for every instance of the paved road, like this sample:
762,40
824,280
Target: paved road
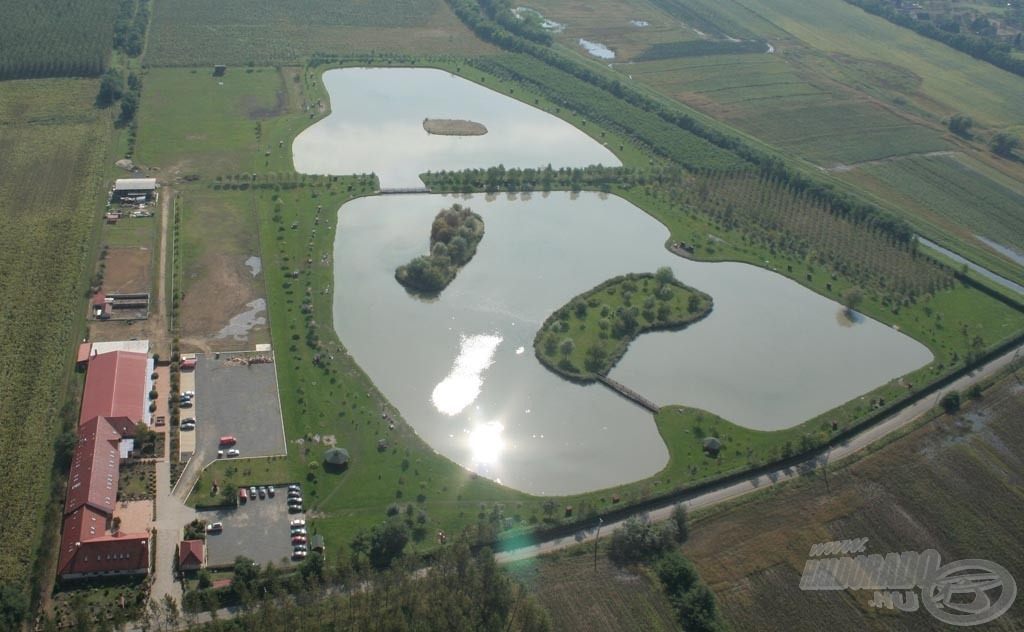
171,516
731,491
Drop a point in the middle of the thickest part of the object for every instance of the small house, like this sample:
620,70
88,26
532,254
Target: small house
191,555
316,543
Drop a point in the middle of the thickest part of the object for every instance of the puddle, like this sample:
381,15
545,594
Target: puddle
545,23
239,326
597,49
255,264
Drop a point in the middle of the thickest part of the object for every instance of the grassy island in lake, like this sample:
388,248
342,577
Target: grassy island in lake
588,335
453,127
454,235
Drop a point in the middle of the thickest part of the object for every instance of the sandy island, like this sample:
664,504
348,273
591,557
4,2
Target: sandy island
453,127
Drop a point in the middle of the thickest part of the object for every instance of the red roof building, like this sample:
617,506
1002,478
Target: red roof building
115,386
191,555
94,475
126,554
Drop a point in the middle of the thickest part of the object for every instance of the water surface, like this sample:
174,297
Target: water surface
462,370
376,125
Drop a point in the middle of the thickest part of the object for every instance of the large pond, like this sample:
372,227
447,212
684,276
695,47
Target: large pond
462,371
376,125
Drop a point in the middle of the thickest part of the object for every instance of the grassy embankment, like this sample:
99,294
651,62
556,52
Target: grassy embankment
591,333
54,144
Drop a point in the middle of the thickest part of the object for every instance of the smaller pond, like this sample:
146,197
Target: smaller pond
597,49
376,125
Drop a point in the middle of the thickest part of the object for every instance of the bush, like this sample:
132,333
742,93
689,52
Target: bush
950,402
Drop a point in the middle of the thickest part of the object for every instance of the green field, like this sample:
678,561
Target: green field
41,41
949,485
50,198
264,33
961,189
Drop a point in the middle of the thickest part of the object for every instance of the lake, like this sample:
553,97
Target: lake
461,368
376,125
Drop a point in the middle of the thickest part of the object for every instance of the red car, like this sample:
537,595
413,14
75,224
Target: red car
299,539
228,440
242,495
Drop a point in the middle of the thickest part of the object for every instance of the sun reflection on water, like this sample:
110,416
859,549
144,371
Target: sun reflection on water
486,443
462,385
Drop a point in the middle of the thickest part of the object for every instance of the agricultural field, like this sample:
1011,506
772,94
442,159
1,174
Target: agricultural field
41,41
960,188
580,595
50,199
948,485
224,302
265,33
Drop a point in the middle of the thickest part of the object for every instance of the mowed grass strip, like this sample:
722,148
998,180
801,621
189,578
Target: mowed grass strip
49,202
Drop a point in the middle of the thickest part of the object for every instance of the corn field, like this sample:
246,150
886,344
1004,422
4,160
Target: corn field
55,39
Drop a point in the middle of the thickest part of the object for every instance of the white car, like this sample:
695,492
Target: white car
215,527
232,452
298,522
188,426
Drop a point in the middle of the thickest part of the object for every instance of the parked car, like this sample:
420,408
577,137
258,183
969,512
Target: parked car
270,491
188,426
300,547
299,539
294,493
298,531
262,492
215,527
295,501
233,452
228,440
298,555
186,404
188,420
242,496
295,509
220,454
189,394
298,522
294,487
252,491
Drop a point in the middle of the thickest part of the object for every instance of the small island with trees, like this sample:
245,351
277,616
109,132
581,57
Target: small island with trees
454,236
588,336
453,127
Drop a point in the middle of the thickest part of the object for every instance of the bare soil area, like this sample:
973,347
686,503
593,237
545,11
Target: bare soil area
211,302
128,270
454,127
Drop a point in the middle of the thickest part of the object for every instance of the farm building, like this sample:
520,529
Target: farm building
191,555
316,543
89,547
134,190
117,385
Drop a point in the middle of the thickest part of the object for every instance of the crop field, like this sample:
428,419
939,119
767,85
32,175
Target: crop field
219,239
50,199
580,597
959,188
41,41
265,33
950,81
948,485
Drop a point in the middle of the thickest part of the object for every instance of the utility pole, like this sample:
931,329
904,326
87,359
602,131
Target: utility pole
596,538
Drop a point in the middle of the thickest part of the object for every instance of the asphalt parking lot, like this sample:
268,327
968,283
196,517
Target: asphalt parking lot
258,529
238,400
